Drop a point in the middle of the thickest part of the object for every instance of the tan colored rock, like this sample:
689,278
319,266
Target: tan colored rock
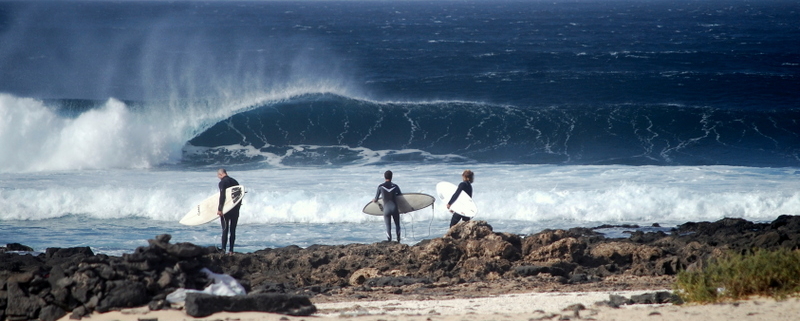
470,230
480,268
491,247
546,237
438,249
566,249
362,275
626,252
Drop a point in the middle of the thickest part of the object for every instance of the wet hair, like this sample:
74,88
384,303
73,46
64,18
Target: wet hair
469,175
222,171
387,175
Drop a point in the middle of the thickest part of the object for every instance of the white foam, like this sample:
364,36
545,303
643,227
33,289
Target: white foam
111,136
584,195
317,153
36,137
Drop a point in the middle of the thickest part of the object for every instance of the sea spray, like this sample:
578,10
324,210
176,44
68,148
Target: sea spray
323,195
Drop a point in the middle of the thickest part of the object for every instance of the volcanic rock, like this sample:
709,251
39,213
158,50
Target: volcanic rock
17,247
202,305
77,281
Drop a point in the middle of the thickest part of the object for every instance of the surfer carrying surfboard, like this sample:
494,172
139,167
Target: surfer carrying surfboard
230,219
388,191
467,177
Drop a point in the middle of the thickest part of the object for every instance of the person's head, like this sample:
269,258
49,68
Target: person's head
387,175
468,175
221,173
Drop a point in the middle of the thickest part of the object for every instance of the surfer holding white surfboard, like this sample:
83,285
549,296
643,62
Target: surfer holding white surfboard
467,177
231,218
388,191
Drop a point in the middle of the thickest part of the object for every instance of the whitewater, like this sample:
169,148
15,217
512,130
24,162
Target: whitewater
115,116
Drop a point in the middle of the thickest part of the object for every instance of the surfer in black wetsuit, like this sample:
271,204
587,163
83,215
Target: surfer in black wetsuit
388,191
230,219
467,177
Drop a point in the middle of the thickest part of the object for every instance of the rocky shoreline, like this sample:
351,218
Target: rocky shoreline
471,260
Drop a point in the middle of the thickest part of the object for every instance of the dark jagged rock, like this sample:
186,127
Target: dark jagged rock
11,262
396,281
20,305
285,288
655,298
56,252
17,247
644,238
202,305
75,280
49,285
617,300
123,295
661,297
51,313
531,270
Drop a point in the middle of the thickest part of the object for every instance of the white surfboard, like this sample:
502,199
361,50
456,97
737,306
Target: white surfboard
206,211
463,204
407,202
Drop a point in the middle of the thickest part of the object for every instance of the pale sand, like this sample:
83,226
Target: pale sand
511,307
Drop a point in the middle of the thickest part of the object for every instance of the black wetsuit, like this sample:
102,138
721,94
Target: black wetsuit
467,188
230,219
390,211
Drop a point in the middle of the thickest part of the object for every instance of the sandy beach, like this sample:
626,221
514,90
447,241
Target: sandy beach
512,307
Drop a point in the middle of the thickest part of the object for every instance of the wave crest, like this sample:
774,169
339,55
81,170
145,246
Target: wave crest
331,129
36,136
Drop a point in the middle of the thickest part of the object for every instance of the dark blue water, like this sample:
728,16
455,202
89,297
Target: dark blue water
628,134
523,82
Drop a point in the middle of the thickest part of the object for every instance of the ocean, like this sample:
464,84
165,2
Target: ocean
115,115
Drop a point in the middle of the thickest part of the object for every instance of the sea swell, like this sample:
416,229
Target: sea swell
330,129
306,128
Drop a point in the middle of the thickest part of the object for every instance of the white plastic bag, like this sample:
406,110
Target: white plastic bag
224,285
